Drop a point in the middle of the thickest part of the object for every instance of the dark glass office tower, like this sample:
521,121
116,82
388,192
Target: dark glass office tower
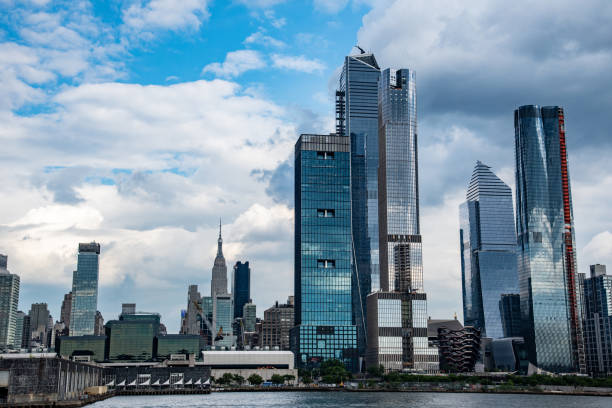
85,290
357,112
323,261
598,321
488,250
545,236
241,287
402,300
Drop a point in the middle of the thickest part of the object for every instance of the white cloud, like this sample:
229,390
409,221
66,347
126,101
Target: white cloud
188,150
236,62
166,14
260,3
297,63
330,6
262,39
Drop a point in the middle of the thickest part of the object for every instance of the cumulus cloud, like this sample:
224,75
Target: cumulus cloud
262,39
165,14
236,62
297,63
330,6
146,171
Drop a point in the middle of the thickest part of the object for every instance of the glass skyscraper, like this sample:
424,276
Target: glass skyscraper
9,300
401,265
85,290
323,252
357,114
546,245
241,287
488,250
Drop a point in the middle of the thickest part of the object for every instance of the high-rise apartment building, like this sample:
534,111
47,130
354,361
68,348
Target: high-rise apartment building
9,302
219,272
546,245
397,315
357,118
85,290
276,326
323,252
66,309
487,240
241,287
249,316
223,317
19,326
598,321
193,315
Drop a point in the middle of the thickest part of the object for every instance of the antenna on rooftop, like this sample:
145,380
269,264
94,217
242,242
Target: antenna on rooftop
360,49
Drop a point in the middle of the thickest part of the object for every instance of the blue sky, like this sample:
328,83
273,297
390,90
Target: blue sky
139,123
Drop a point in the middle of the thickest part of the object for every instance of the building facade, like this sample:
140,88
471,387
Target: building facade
323,253
401,265
249,313
39,324
510,311
357,118
85,290
132,337
278,322
488,250
9,302
546,245
459,349
66,309
598,321
223,312
241,287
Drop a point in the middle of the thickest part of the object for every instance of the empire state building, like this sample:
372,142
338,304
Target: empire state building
219,272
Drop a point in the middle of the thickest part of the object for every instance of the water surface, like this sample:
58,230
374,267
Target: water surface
354,399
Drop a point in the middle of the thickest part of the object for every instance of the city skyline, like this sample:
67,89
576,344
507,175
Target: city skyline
76,172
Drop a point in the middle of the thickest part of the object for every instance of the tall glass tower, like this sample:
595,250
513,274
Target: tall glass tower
324,326
85,290
241,287
546,245
9,300
357,116
488,250
401,265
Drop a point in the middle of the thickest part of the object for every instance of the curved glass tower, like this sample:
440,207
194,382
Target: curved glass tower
488,250
546,245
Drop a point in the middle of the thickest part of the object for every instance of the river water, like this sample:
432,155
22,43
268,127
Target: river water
354,399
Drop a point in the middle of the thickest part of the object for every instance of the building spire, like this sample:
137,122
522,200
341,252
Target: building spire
220,242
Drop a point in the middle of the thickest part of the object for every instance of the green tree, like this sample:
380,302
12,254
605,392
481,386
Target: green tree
288,377
225,379
376,371
255,379
238,379
334,372
277,379
307,379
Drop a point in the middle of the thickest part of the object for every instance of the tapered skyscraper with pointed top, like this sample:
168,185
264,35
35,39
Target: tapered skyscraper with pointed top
219,272
488,250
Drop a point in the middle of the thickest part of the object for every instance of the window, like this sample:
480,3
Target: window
537,237
325,155
326,263
326,213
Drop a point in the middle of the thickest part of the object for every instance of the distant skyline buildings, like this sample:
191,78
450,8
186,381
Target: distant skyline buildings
546,243
85,290
488,251
597,297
